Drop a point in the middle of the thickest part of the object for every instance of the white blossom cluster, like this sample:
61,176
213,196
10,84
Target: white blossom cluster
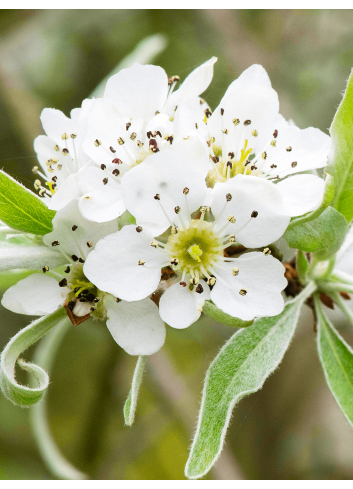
209,192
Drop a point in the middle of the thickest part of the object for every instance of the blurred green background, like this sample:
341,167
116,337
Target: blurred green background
292,428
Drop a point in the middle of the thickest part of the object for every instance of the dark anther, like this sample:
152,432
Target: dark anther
105,181
81,260
116,172
45,269
273,166
247,122
222,111
55,243
177,209
275,134
128,124
117,161
186,191
67,270
149,134
112,149
254,214
229,197
90,297
157,197
289,149
103,167
294,164
153,144
183,284
65,151
170,139
74,257
63,283
208,113
139,229
230,164
199,289
215,159
89,244
158,133
253,167
231,155
54,179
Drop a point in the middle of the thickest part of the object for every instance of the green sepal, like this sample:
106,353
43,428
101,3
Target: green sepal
323,235
21,209
19,394
212,311
336,358
341,164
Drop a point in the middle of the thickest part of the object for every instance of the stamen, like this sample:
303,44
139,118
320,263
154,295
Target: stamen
267,251
243,292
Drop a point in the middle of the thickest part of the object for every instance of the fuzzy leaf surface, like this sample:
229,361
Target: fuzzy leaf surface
21,209
240,368
323,235
336,358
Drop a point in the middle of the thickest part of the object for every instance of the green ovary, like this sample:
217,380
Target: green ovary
195,248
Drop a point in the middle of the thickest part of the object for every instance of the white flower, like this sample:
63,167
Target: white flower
137,117
60,155
247,136
135,326
164,193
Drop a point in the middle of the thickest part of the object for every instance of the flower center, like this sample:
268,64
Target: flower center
195,248
228,166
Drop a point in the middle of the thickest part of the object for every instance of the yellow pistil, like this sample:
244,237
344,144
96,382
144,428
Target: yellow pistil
195,252
50,185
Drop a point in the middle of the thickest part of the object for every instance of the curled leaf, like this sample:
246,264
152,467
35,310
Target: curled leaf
20,394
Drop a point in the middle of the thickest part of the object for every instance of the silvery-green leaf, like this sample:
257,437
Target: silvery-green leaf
240,368
341,165
212,311
20,394
323,235
336,358
17,256
23,210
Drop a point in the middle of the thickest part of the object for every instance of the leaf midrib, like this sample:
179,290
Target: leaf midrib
25,213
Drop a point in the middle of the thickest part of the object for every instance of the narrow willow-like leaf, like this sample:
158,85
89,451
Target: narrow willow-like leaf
341,165
22,209
240,368
14,257
146,50
324,235
131,401
336,358
212,311
44,356
20,394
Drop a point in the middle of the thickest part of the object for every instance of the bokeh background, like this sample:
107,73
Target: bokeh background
292,428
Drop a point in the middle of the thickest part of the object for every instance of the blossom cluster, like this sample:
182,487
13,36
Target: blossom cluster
205,195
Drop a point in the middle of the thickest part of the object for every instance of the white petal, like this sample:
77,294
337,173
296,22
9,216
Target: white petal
194,84
35,295
297,150
55,123
75,242
135,326
255,74
113,265
301,193
251,194
100,202
67,191
139,91
166,173
180,307
260,106
263,279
